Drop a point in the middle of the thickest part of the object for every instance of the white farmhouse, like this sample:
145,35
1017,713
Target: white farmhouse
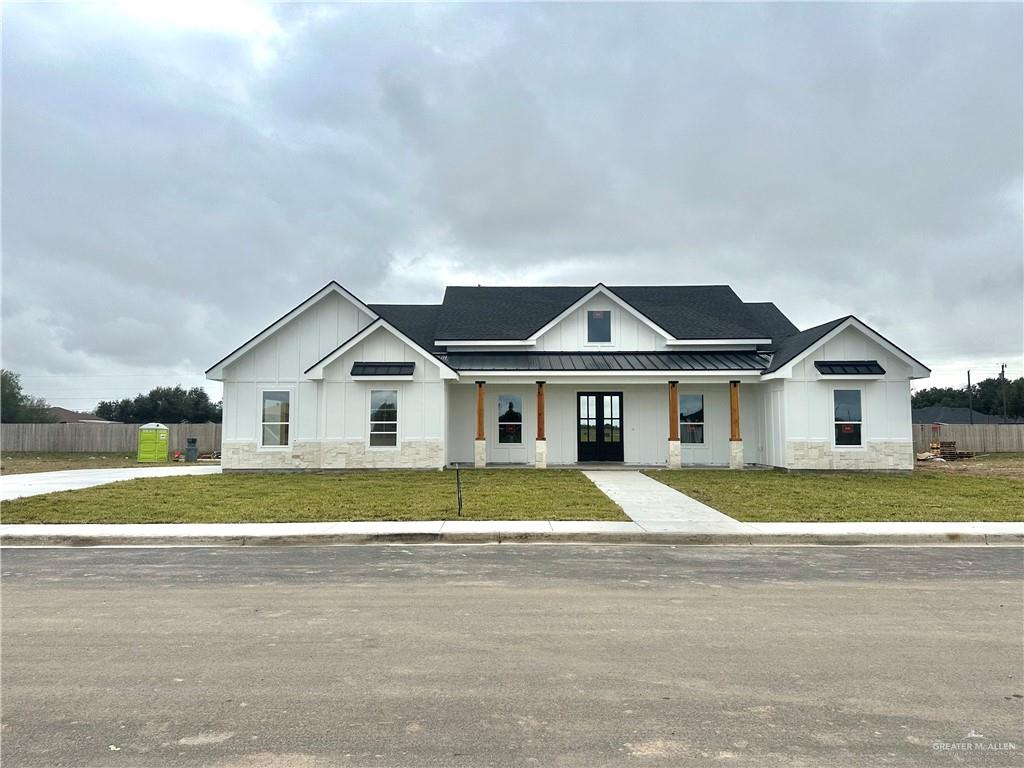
545,376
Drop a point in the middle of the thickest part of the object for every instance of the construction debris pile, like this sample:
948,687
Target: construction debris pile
944,450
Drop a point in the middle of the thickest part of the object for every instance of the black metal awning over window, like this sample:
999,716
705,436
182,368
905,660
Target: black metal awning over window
608,361
849,368
382,369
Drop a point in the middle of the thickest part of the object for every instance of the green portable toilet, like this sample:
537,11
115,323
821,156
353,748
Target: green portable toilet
153,442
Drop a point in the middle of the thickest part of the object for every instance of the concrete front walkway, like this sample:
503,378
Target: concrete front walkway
657,508
36,483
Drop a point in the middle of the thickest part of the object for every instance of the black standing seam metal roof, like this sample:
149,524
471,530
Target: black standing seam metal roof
849,367
383,369
608,361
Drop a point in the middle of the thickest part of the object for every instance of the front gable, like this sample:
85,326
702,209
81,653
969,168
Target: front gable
630,330
851,340
297,339
378,343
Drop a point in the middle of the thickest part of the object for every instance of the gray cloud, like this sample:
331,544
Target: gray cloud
171,184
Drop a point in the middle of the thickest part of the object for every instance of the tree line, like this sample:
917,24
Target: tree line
169,405
986,396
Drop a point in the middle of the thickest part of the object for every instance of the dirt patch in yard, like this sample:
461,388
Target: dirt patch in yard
983,465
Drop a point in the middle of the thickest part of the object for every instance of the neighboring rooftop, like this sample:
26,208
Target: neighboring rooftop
65,416
945,414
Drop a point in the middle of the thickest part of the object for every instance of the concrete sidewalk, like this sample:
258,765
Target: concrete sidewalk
498,531
657,508
38,483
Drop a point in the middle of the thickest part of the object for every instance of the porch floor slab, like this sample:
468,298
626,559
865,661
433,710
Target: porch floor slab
657,508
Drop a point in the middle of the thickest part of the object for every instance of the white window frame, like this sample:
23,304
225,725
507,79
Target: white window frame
611,328
832,417
497,421
260,422
704,424
370,422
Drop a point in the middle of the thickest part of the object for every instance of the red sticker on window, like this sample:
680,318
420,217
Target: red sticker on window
847,427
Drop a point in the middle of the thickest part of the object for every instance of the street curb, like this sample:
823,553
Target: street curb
517,537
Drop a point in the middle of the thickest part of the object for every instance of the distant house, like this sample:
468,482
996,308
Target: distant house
65,416
942,414
561,375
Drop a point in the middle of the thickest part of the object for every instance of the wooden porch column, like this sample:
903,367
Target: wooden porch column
541,446
540,410
673,411
480,410
675,449
480,444
734,411
735,441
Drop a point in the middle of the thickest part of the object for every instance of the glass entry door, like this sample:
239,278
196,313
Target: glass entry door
599,426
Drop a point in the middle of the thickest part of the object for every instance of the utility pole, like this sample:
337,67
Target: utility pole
1002,375
970,398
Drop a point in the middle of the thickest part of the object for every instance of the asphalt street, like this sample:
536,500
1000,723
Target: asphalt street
502,655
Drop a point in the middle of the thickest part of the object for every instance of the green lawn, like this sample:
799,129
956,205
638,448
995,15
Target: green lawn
19,463
488,494
775,497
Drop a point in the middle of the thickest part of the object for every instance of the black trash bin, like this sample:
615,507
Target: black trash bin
191,449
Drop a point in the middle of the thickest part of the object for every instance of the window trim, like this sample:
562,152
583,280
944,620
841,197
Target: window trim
498,423
611,328
845,387
370,423
703,423
260,422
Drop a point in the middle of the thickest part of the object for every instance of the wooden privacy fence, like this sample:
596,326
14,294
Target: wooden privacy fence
978,438
100,438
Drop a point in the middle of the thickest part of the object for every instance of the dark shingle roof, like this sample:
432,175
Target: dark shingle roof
770,321
501,313
685,311
607,361
417,321
792,346
946,414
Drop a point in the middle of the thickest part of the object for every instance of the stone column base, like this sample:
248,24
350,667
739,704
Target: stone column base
675,454
479,453
541,454
735,454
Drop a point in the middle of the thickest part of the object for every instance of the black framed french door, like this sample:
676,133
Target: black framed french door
599,426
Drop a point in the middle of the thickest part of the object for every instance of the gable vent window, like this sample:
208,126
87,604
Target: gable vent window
384,417
599,326
847,417
510,419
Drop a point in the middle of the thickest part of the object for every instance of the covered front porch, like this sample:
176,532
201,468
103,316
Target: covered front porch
595,421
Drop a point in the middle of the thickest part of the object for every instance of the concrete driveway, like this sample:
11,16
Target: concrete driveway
37,483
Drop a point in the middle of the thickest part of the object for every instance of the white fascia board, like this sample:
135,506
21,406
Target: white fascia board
383,378
216,371
316,371
596,290
486,343
716,342
918,369
852,377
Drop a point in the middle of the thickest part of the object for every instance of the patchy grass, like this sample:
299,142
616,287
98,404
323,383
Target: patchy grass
776,497
19,463
495,494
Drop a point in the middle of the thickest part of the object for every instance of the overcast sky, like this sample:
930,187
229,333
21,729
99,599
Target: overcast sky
177,176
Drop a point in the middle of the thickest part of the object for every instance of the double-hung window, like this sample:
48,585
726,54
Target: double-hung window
599,326
691,419
510,419
274,419
384,417
847,414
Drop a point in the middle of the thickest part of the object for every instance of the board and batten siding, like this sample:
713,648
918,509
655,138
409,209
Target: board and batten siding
628,333
280,361
885,409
